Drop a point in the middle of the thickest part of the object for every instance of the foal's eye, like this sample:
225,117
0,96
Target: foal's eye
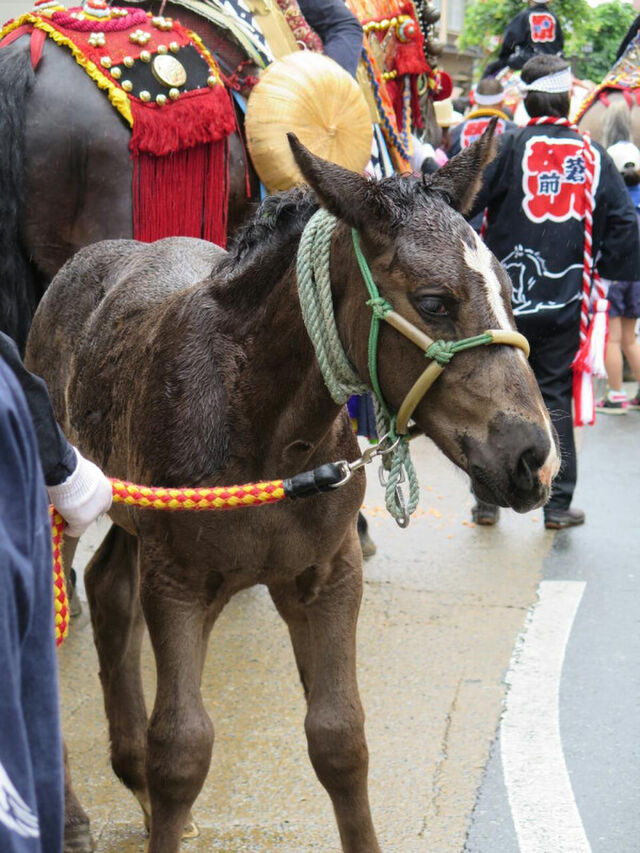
432,305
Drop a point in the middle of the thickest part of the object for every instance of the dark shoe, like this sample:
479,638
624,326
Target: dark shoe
485,514
558,519
634,402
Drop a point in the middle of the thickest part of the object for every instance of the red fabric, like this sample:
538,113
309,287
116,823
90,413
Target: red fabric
37,43
24,30
199,116
445,86
183,194
409,56
64,20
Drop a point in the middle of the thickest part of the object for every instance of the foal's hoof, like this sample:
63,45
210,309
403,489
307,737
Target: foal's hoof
77,839
191,830
367,544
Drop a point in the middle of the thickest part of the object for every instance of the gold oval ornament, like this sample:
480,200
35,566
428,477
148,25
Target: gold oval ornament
168,70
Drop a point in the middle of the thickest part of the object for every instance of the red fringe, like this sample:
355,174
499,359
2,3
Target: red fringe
180,169
198,117
182,194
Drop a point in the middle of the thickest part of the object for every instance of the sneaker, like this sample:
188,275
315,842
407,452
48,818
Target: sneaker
558,519
485,514
611,407
634,402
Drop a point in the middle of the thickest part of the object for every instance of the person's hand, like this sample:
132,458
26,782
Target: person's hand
83,496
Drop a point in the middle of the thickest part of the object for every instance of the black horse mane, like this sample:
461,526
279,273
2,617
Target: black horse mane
278,219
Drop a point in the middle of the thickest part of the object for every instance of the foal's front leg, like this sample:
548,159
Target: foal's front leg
180,733
323,634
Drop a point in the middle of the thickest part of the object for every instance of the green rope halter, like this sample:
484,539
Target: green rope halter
314,290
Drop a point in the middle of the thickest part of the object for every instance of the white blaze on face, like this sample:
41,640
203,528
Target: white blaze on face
479,259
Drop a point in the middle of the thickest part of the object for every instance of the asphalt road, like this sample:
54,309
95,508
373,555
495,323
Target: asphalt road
589,792
441,633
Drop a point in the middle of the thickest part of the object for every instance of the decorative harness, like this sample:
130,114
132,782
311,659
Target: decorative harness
314,288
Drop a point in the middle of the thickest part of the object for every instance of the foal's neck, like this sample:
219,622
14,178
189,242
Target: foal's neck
294,412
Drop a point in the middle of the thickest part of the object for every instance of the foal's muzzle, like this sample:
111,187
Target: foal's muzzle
510,468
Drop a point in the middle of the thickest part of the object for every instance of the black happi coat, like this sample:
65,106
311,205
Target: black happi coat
534,195
534,30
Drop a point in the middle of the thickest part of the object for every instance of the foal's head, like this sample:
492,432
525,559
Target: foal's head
485,410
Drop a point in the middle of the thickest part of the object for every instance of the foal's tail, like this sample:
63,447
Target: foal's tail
616,126
18,280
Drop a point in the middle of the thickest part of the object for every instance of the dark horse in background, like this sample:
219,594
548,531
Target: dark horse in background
65,166
223,339
66,170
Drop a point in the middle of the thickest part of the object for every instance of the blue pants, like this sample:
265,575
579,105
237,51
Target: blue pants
31,769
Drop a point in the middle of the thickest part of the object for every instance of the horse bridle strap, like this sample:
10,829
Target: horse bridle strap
441,352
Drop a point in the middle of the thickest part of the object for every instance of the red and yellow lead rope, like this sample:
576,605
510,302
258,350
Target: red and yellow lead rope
154,497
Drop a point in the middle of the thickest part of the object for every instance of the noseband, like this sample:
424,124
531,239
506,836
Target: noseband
441,352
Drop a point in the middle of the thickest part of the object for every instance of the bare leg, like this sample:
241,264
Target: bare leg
631,346
180,733
111,581
613,354
323,633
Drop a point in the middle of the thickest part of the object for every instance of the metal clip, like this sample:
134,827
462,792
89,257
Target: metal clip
383,476
368,456
401,504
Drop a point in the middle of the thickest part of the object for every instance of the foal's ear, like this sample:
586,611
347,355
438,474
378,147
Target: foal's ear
351,197
461,178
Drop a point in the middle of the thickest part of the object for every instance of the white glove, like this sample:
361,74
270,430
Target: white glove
82,497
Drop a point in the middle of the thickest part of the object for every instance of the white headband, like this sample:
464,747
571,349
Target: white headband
552,84
488,100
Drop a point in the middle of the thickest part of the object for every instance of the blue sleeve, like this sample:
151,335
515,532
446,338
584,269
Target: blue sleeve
56,454
338,28
31,770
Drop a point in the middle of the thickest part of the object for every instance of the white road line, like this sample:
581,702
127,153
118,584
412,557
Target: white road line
544,810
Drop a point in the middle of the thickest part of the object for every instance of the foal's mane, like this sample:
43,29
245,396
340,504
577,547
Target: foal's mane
263,249
282,217
279,219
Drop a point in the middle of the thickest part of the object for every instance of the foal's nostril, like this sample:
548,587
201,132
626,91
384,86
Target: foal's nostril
529,463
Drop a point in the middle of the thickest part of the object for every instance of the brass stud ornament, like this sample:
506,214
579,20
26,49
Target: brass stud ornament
127,85
144,95
145,56
105,61
174,94
116,72
128,61
161,100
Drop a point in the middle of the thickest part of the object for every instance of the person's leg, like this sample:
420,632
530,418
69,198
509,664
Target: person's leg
630,345
553,348
615,400
613,355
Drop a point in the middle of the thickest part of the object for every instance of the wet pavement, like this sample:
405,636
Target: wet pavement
443,605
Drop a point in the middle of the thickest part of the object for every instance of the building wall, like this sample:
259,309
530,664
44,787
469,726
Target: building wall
459,64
